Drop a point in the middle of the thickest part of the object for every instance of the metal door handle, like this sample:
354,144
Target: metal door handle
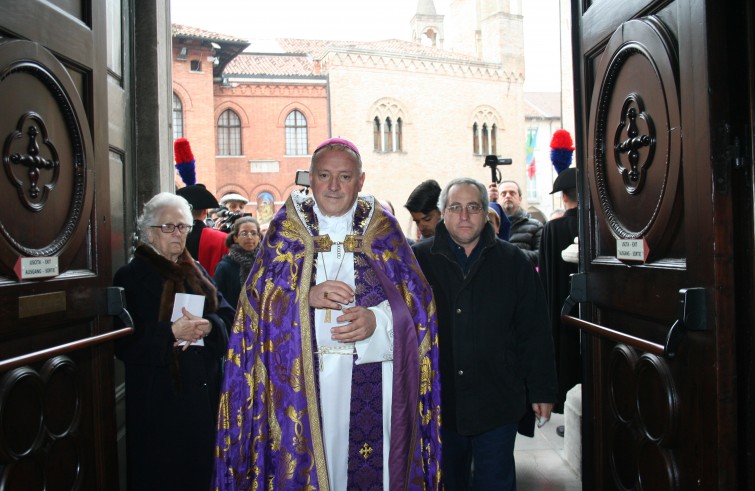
577,292
115,300
693,310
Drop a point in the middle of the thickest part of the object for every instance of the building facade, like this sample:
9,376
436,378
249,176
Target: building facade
433,107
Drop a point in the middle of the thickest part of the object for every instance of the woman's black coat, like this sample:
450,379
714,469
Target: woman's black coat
171,394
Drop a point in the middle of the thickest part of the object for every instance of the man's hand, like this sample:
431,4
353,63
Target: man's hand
542,411
330,294
361,323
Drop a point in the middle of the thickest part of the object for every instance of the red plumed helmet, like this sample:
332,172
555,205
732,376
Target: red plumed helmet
562,140
184,161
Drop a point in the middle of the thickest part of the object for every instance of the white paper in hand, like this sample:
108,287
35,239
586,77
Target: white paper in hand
194,304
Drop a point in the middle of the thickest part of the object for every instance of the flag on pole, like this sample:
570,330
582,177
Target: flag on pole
530,152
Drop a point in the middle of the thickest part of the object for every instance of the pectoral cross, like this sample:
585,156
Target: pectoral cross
323,243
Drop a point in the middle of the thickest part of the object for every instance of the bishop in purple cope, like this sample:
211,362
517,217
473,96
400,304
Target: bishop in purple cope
270,422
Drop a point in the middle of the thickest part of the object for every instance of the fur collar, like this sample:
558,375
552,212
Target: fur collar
183,276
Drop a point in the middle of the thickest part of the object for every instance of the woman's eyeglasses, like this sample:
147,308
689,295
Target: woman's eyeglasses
168,228
248,234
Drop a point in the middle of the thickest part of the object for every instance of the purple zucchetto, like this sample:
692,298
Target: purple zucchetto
338,141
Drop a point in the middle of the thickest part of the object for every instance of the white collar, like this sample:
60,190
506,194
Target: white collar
340,224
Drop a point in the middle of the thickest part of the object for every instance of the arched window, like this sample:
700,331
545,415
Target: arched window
388,119
296,133
388,136
229,133
493,136
485,139
178,117
476,139
376,139
398,135
485,131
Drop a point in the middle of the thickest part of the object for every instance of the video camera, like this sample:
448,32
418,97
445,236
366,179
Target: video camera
227,218
493,162
302,179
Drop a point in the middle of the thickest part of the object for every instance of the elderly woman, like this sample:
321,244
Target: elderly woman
243,243
172,360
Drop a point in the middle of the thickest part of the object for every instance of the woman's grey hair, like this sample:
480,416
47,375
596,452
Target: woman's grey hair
236,226
335,146
154,206
481,190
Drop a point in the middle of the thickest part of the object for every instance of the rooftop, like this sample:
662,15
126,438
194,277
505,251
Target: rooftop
542,105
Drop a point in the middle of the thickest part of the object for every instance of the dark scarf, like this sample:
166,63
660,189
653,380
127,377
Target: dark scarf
244,259
183,276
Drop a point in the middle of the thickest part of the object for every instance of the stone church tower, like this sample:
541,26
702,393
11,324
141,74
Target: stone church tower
427,25
492,30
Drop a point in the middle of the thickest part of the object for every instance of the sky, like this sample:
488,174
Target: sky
364,20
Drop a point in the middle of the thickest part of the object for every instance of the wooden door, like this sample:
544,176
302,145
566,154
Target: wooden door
57,421
664,121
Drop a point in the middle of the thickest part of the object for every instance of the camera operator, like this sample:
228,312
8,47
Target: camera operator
234,202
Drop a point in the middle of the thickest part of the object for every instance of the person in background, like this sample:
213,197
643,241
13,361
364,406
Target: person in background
494,219
204,243
243,243
336,306
423,207
234,202
504,229
263,229
525,230
555,274
496,352
173,359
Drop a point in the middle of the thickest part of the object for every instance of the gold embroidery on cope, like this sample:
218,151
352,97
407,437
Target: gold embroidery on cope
425,372
300,219
366,451
295,377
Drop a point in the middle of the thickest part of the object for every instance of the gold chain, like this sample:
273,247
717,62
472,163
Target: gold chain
342,255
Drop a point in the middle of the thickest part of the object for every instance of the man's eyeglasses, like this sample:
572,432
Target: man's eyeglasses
472,208
168,228
248,234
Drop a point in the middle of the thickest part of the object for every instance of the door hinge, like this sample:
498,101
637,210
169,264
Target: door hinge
733,154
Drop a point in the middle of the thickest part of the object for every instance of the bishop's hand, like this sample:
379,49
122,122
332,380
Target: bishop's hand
330,294
360,323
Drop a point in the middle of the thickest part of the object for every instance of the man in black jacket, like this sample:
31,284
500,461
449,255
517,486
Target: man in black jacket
525,231
496,352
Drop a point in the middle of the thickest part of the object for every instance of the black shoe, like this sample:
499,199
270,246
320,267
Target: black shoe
560,430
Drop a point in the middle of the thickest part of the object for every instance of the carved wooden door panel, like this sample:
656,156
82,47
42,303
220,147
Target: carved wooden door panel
662,113
57,423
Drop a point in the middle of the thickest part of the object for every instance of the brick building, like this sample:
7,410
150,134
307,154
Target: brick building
431,107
